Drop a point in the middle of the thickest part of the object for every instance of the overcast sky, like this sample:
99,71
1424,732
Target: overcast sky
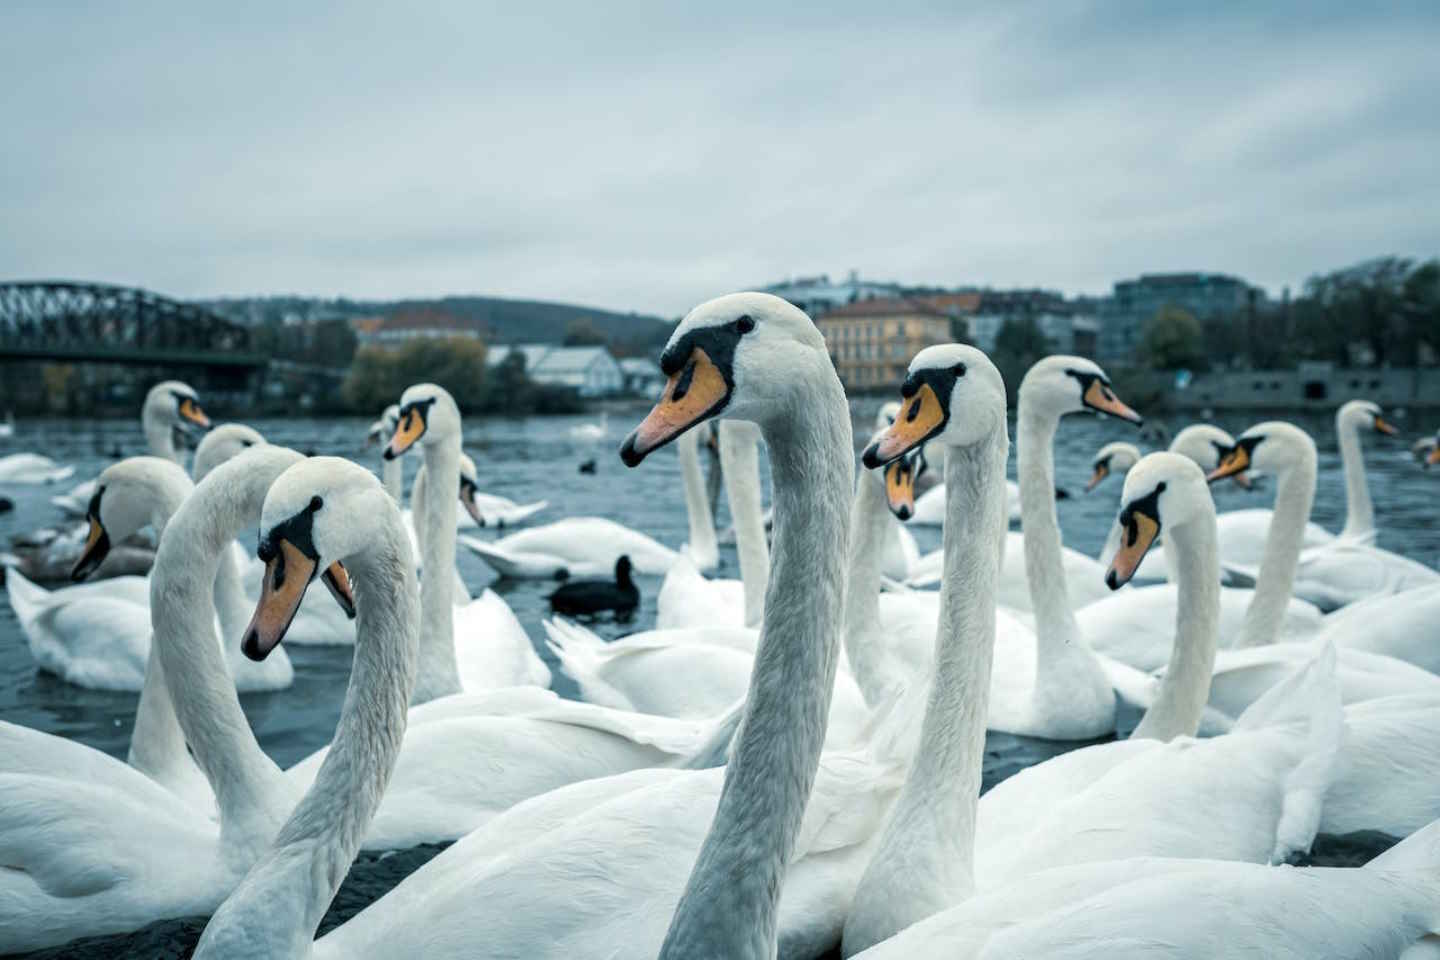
650,156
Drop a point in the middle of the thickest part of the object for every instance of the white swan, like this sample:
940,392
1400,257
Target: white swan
1424,450
599,867
1335,573
592,432
1097,803
1359,509
493,649
574,547
31,468
392,471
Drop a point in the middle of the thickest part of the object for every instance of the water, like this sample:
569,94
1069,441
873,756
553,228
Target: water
537,458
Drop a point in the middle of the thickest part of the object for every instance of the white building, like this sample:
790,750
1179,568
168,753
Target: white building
642,376
820,295
590,371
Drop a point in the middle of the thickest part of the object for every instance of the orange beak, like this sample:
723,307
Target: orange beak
697,391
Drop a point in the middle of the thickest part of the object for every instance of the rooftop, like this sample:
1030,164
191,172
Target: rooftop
887,307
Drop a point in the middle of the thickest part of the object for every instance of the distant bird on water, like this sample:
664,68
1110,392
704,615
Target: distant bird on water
581,597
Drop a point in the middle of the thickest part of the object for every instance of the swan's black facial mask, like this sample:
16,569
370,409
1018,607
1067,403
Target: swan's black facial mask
291,563
1141,520
97,543
1236,459
924,412
414,419
900,476
467,499
189,411
701,368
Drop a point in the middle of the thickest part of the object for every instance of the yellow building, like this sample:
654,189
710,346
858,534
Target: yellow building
871,341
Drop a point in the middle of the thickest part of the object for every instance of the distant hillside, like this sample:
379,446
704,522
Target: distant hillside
498,320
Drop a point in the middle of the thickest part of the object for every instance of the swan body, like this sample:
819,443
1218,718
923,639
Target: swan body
574,547
31,468
1082,574
1335,574
930,505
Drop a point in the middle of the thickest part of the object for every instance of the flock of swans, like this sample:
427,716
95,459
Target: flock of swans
790,763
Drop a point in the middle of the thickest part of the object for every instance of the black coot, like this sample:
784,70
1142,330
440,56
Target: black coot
584,597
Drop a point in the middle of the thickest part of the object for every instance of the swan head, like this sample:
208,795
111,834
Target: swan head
1274,447
733,355
1425,450
469,486
1117,457
952,393
221,444
1163,489
428,414
1206,443
1364,413
1433,457
317,513
128,496
177,404
383,429
1064,384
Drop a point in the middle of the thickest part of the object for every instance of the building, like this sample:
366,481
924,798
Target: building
642,377
1135,302
871,341
589,371
1069,326
819,295
395,331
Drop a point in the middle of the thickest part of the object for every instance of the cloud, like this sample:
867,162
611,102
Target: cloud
647,157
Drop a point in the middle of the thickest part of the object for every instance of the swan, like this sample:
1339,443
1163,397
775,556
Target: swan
494,650
1336,573
1134,797
688,599
573,547
1193,909
1359,509
1424,450
591,432
597,869
31,468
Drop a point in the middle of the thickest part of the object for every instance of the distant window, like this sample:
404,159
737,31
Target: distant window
1315,390
1259,385
1374,384
1355,384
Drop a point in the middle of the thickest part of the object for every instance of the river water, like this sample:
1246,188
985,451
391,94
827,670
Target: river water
538,458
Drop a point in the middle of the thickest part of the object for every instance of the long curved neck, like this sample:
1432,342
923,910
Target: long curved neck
740,469
438,674
1055,624
250,791
319,841
232,606
157,744
392,475
730,904
864,640
925,859
1359,510
1193,549
702,545
1294,495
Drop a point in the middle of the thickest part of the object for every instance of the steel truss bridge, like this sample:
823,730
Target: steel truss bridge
51,320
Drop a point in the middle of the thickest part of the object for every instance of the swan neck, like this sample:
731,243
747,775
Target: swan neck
925,860
730,904
1193,549
439,675
1294,495
1055,624
160,437
157,744
232,606
319,841
250,791
864,641
703,548
740,472
392,475
1359,510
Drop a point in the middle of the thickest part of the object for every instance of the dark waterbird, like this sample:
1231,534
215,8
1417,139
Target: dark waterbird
588,597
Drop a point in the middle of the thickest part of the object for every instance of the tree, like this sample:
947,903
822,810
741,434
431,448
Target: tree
378,377
582,332
1173,340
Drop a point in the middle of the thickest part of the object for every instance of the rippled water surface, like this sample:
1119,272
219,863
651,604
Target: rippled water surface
532,459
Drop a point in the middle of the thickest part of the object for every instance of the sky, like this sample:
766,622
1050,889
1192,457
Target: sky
649,156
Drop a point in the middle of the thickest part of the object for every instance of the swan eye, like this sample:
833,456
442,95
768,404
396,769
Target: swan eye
745,323
316,503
